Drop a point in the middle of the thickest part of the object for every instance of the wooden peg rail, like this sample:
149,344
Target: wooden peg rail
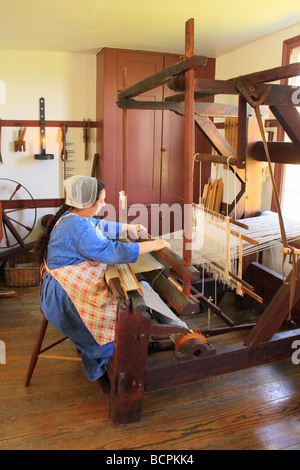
22,123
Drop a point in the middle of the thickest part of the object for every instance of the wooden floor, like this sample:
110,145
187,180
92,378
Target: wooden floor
252,409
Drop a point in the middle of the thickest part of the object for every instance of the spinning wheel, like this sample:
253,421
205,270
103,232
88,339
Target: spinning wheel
18,213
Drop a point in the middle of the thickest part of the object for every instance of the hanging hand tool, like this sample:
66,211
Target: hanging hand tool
86,137
64,151
20,145
64,155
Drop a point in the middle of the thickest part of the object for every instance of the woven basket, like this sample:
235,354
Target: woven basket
22,271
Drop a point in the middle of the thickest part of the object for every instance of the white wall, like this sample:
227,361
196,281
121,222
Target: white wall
259,55
68,84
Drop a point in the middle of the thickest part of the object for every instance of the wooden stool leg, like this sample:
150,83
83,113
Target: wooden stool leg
36,351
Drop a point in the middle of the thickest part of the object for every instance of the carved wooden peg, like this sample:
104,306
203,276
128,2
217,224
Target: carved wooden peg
20,145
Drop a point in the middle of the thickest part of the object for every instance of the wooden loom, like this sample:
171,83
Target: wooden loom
131,374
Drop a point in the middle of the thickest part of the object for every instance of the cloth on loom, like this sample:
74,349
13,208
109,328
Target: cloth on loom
218,252
154,302
75,246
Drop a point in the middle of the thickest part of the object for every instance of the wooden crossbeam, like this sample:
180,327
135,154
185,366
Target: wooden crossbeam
160,78
202,109
228,358
280,152
269,75
205,87
34,123
215,137
28,204
289,119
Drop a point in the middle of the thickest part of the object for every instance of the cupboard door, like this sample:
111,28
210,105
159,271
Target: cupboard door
144,131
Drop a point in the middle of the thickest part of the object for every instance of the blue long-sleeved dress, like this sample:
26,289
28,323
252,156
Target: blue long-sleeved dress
73,241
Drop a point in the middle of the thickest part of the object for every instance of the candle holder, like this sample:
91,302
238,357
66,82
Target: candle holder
43,155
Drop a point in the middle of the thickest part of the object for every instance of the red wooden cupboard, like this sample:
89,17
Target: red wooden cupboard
155,139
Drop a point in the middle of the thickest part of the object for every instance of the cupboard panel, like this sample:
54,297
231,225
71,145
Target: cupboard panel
144,131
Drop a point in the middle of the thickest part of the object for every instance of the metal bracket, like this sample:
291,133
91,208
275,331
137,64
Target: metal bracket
43,155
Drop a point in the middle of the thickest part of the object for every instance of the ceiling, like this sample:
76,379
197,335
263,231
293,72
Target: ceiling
152,25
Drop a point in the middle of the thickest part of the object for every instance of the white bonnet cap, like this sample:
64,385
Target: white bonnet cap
81,191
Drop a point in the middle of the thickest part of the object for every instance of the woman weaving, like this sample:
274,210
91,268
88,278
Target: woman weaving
74,253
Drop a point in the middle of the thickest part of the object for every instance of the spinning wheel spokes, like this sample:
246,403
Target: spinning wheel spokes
18,213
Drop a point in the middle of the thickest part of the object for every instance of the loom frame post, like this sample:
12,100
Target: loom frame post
127,368
189,124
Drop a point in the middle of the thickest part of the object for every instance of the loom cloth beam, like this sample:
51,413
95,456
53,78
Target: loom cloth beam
180,302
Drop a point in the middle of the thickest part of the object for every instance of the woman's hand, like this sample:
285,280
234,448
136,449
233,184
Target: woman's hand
153,245
135,231
160,244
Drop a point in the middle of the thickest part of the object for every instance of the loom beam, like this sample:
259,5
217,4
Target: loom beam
175,262
278,93
209,87
280,152
183,304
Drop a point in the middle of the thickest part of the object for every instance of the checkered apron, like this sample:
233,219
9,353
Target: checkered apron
84,283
